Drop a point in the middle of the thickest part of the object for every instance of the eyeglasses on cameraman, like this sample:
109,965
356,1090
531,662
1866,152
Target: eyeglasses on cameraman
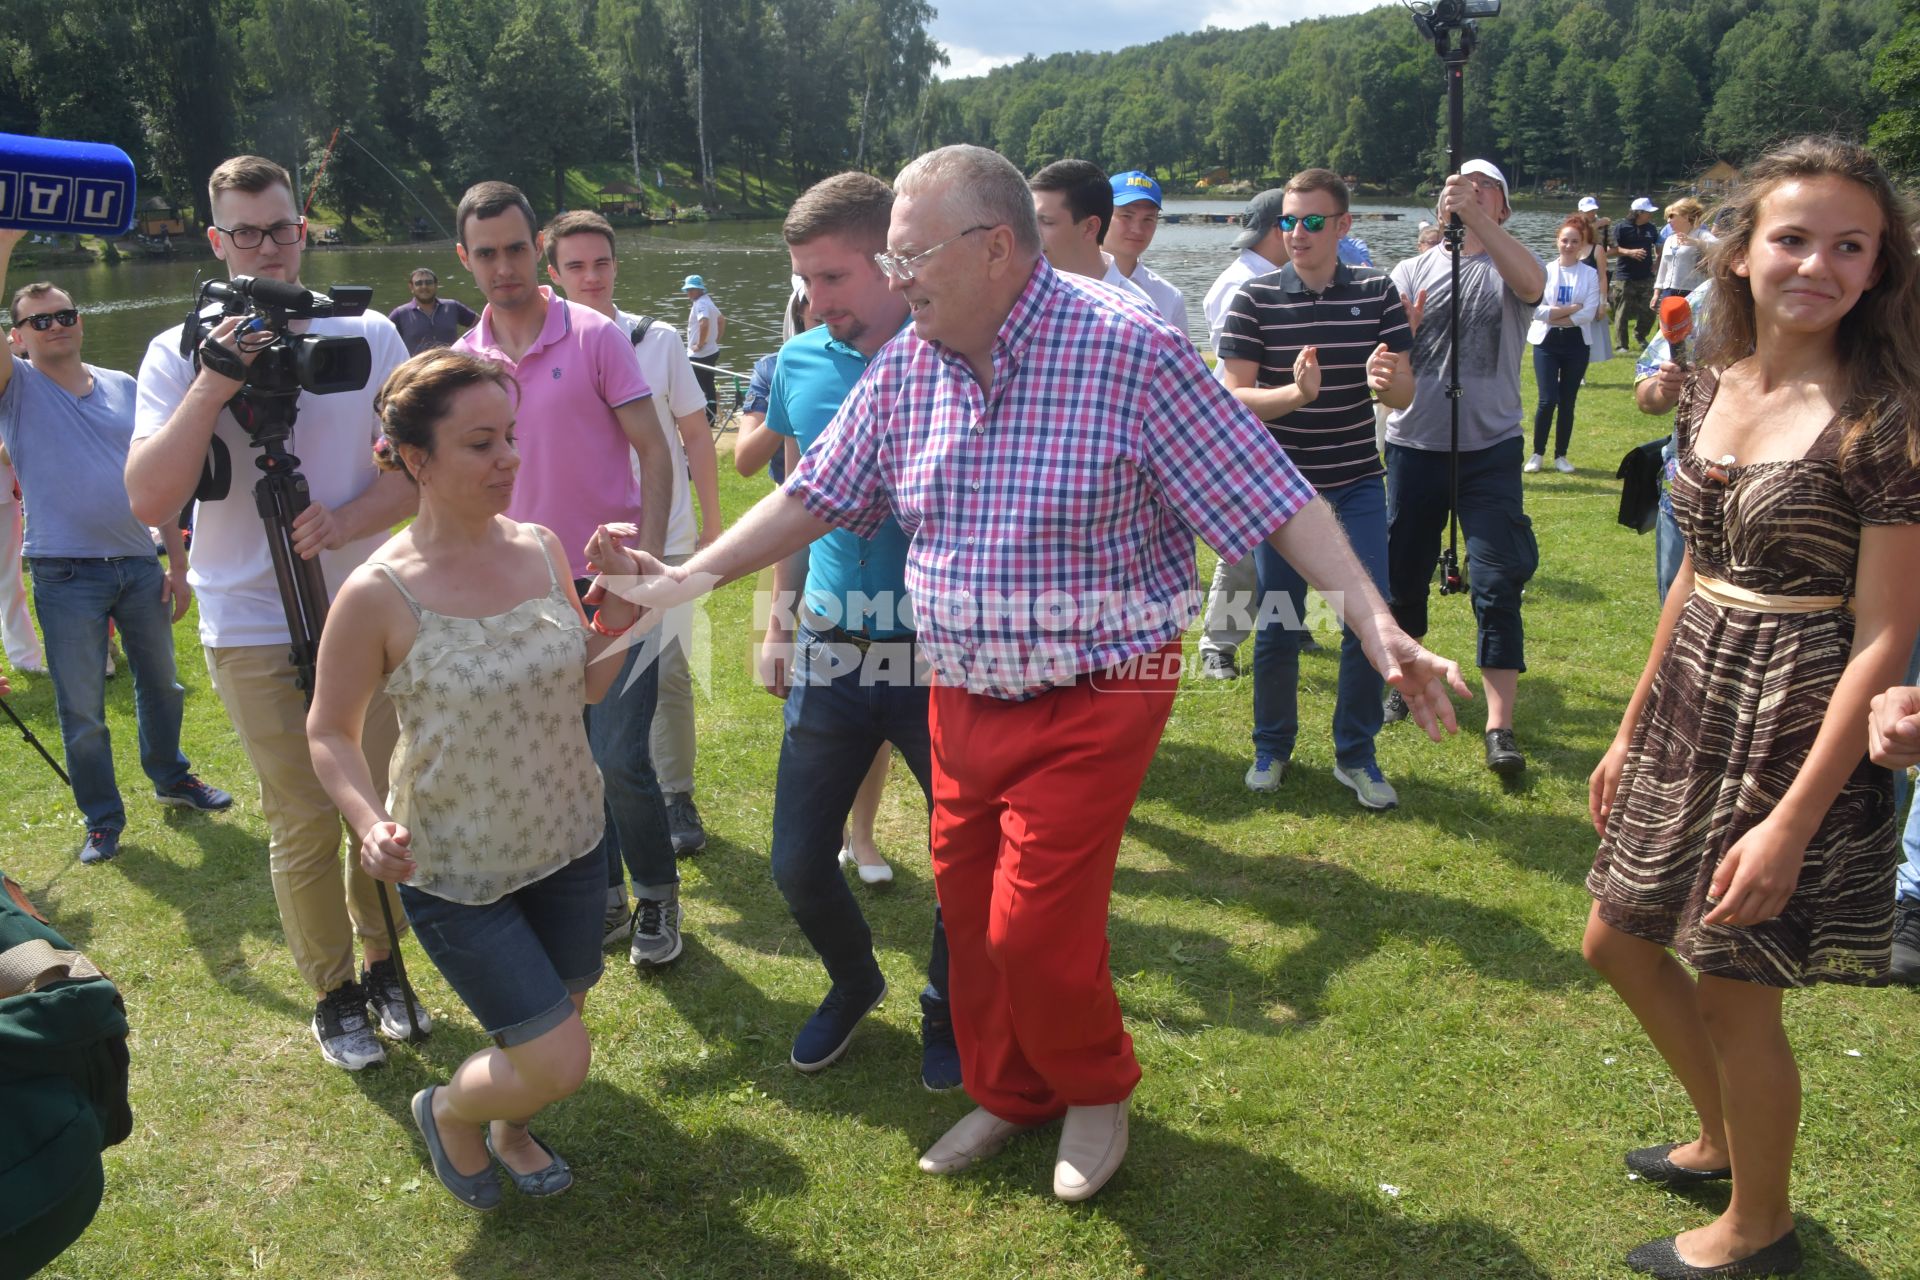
250,237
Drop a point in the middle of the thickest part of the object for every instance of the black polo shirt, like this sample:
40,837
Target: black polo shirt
1274,316
1633,235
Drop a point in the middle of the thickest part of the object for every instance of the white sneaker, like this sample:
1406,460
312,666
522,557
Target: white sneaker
1533,464
1561,465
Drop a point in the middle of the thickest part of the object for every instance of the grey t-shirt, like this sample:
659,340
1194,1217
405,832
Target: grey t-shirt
1493,323
71,455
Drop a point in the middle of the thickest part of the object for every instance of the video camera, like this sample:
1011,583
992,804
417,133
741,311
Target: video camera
1437,17
287,363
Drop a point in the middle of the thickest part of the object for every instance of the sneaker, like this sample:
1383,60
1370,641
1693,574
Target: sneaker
828,1032
1533,464
1368,785
656,931
1503,754
99,846
1218,665
1563,466
1906,943
618,921
1268,772
1394,709
683,821
191,793
387,998
340,1025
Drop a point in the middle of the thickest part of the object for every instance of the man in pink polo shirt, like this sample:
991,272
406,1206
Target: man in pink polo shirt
583,404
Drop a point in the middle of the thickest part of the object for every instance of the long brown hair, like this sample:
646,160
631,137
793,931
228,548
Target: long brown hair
1879,339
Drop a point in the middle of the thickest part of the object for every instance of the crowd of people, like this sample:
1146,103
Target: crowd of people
974,600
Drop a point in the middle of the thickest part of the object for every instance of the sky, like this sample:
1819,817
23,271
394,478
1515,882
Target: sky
979,35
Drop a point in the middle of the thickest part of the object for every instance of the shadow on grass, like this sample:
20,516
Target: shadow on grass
223,898
1206,782
648,1197
1350,917
1194,1207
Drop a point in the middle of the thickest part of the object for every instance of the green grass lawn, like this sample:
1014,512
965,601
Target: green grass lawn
1371,1047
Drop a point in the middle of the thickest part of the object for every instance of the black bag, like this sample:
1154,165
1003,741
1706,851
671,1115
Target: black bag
63,1086
1639,474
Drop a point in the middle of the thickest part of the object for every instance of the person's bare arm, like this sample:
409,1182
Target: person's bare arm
173,587
164,469
351,666
1270,404
1513,260
1659,393
641,423
755,443
1605,778
1313,543
383,504
775,660
703,472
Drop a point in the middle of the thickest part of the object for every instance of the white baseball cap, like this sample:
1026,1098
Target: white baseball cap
1643,205
1589,205
1488,169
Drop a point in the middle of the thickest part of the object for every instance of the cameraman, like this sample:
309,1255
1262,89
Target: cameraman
182,415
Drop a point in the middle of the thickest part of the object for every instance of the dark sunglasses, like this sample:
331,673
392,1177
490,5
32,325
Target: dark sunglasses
41,323
1311,221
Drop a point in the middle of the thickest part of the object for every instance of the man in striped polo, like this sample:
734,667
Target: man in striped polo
1307,348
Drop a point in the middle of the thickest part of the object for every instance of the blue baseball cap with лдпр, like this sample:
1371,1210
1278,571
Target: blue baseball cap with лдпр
1134,186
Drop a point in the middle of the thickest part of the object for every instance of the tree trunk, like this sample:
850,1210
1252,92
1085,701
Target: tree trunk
633,144
860,154
559,188
700,108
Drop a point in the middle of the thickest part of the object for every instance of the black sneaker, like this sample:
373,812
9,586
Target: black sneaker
191,793
683,822
1906,943
387,998
99,846
1217,665
1394,709
1503,754
340,1025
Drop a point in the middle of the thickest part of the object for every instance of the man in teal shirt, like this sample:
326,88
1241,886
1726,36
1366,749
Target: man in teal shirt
846,666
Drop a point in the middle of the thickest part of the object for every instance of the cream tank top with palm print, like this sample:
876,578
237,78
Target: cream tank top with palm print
492,775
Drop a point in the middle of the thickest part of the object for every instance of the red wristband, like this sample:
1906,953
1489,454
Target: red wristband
600,628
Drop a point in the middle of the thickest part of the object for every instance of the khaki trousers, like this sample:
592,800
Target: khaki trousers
319,917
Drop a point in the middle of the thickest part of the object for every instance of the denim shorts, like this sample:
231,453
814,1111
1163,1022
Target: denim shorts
517,962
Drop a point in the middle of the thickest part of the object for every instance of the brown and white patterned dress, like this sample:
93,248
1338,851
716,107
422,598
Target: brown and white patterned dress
1734,709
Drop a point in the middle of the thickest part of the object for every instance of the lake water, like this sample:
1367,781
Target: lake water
744,264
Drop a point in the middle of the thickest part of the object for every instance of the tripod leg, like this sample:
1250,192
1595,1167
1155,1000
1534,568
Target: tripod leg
34,742
414,1033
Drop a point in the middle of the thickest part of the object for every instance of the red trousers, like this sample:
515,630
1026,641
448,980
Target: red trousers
1029,803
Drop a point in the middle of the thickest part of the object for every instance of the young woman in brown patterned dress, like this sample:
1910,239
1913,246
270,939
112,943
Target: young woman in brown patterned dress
1742,829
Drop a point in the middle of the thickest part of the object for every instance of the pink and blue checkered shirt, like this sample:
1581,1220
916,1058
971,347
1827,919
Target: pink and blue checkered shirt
1052,519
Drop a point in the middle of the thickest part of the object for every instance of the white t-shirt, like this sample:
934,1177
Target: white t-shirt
663,361
1220,296
703,306
332,436
1167,300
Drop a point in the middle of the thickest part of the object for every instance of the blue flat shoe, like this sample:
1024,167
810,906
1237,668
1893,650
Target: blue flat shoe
475,1190
550,1181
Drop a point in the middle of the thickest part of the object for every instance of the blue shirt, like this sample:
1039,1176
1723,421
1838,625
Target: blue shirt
813,376
71,455
759,389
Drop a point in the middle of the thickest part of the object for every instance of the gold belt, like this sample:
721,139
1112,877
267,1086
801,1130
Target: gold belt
1728,596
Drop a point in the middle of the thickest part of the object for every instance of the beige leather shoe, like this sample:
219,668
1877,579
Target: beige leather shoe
1093,1142
979,1134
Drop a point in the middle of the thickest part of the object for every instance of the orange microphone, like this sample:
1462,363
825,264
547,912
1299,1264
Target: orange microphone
1676,326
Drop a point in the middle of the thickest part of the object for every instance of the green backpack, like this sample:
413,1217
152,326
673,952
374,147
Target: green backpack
63,1086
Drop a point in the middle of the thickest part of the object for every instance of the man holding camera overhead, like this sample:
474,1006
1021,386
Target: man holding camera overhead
186,441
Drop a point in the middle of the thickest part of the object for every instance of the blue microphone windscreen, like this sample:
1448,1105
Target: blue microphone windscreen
79,188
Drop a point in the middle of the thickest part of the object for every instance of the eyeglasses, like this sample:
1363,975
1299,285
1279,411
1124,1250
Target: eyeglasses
41,323
902,269
250,237
1311,221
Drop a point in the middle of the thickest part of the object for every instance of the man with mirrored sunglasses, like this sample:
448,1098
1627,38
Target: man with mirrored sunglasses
65,427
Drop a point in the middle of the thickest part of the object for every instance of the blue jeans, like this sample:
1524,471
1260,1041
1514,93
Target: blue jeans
1559,363
74,599
1362,509
620,735
1669,545
1906,881
834,725
517,962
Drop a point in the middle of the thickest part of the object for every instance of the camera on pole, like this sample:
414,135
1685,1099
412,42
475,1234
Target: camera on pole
1453,27
285,364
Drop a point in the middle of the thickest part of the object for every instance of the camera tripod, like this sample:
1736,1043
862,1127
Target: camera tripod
34,742
280,495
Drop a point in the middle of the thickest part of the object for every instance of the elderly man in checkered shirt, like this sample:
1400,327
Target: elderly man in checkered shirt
1051,451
